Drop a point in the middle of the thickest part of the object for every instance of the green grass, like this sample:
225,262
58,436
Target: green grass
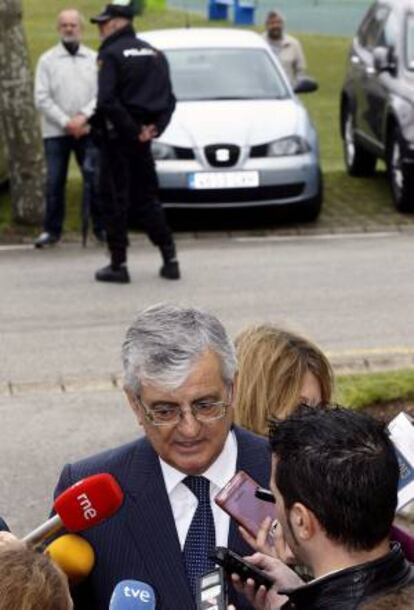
365,389
39,19
326,58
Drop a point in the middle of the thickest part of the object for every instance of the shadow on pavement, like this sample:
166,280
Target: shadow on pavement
256,219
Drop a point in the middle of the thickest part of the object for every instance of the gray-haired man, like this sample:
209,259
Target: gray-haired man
65,96
180,372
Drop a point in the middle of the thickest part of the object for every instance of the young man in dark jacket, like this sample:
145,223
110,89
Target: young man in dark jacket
135,104
335,478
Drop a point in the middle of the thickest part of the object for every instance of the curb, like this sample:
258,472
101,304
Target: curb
344,364
288,231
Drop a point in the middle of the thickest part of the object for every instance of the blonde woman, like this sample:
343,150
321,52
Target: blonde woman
278,370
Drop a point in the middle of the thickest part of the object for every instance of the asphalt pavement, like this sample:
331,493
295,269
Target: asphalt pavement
352,294
61,332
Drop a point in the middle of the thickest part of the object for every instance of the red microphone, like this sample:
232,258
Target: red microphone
81,506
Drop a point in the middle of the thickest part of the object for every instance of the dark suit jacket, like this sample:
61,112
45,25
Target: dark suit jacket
3,526
140,541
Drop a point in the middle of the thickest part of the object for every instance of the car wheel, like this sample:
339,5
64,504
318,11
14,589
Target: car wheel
358,161
401,180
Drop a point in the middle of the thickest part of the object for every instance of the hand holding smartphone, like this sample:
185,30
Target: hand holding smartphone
238,498
232,563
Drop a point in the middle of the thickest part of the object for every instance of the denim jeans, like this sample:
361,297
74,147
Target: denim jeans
57,151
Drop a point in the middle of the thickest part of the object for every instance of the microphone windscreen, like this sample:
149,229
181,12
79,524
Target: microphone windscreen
88,502
132,595
74,555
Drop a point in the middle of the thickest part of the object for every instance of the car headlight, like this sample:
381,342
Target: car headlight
161,151
287,147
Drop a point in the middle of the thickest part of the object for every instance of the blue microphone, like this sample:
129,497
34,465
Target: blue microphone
132,595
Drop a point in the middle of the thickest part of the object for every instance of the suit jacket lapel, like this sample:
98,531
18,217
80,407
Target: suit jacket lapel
152,528
250,459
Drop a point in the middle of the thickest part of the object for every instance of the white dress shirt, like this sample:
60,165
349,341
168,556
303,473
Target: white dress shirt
183,501
65,85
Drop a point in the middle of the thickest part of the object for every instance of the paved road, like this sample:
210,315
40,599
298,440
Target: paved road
350,293
60,332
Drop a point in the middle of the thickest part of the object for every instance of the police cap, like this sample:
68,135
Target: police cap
111,11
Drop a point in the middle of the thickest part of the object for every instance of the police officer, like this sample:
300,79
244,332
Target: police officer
135,104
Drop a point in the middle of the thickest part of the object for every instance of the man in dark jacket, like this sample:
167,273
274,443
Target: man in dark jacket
179,376
135,104
335,479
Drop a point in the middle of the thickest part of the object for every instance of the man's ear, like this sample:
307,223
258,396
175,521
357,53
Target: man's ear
303,521
133,404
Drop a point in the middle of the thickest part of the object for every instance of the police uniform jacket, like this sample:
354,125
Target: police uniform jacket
134,86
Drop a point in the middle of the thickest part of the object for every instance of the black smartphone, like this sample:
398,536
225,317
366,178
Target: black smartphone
212,591
232,563
265,495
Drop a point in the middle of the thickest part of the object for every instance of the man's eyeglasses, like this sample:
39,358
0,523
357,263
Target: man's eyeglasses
204,411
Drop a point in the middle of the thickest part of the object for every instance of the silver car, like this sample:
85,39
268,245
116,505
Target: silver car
239,136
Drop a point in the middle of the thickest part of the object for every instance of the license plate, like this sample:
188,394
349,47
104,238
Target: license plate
223,180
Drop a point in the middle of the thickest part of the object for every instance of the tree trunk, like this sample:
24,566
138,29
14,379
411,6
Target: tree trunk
19,118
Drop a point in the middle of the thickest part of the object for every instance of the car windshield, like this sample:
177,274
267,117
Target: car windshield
410,42
225,74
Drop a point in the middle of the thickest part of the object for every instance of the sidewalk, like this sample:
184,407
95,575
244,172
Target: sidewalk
345,217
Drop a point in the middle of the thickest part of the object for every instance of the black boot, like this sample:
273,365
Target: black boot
117,274
170,269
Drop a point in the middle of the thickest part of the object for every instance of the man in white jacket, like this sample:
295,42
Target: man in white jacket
65,95
286,48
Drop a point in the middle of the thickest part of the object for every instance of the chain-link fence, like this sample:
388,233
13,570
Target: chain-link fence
336,17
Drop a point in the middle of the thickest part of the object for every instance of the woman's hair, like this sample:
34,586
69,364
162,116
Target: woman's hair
31,581
272,366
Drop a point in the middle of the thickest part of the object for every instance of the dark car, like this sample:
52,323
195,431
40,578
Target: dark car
377,99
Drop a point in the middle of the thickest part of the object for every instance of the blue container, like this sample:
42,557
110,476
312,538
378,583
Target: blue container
244,12
218,10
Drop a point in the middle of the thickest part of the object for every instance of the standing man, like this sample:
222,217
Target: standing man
286,48
135,104
65,95
179,378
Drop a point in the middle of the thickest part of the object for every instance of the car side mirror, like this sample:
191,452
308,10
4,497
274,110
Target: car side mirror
305,84
384,60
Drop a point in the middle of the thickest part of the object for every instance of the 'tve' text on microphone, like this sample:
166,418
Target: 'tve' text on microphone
132,595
